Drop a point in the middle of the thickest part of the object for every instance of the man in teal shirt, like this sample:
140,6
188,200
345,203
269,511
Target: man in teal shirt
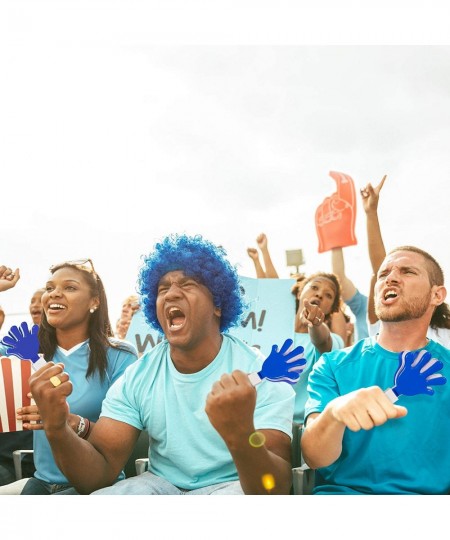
359,439
211,431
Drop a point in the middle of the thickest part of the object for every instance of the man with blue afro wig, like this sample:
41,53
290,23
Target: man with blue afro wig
197,258
211,429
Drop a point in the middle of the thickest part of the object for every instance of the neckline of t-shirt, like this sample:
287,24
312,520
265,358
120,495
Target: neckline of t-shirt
198,375
73,349
392,354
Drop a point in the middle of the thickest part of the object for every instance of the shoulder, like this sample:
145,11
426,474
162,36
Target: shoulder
149,361
350,354
358,304
439,351
121,355
235,344
336,341
121,345
357,297
439,335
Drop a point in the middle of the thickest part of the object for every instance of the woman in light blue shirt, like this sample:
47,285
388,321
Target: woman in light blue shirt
75,330
318,296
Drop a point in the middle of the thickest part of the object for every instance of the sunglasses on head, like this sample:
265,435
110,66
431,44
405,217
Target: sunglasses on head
77,262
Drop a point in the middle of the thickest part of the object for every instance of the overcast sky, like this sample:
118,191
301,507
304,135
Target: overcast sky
109,142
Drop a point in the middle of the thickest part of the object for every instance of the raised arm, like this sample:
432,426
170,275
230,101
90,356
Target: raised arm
253,254
338,325
261,240
348,288
370,197
8,277
88,464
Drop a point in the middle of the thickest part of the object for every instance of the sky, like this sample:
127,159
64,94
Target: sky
122,122
109,142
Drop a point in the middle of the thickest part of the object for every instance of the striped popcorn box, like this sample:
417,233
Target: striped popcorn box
14,387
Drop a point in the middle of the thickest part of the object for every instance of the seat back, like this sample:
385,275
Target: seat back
18,455
303,478
140,451
296,455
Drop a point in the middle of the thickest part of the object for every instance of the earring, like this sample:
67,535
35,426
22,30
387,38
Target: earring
92,310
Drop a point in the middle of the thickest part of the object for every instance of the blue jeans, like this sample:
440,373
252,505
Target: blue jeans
34,486
150,484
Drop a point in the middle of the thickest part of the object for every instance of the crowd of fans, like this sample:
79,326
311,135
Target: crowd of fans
190,292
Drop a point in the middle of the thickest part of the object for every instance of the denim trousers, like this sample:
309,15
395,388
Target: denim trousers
150,484
34,486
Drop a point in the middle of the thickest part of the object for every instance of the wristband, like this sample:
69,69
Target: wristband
254,378
81,427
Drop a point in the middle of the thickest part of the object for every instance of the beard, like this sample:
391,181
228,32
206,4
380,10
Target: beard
406,311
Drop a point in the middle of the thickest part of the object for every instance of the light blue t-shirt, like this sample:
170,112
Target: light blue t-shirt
409,455
85,399
312,355
185,449
358,305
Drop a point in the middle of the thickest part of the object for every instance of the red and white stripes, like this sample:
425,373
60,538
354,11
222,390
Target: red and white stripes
14,387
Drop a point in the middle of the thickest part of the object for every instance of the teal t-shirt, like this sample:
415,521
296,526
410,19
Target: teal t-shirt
312,355
86,399
185,449
409,455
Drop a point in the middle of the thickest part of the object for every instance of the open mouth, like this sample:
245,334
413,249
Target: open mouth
315,302
389,296
176,318
56,307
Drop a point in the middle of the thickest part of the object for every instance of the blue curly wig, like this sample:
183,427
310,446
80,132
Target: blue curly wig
199,259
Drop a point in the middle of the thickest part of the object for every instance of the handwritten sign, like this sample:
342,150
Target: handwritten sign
271,315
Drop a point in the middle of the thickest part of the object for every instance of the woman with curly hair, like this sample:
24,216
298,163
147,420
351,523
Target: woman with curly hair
75,333
317,297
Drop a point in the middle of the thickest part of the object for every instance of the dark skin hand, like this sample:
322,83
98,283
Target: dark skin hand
230,407
88,465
